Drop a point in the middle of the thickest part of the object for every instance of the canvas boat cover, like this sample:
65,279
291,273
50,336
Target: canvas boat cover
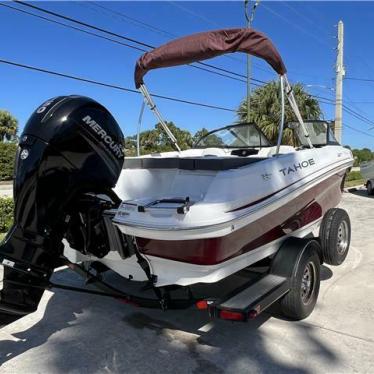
205,45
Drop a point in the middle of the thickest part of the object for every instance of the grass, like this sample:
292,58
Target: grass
2,236
354,178
355,182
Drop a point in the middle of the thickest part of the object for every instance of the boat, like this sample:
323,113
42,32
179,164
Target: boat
367,171
176,219
209,211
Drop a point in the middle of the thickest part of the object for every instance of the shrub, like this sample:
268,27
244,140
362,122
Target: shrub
7,158
6,213
353,175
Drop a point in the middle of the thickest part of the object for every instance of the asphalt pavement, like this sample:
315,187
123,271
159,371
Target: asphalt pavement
74,333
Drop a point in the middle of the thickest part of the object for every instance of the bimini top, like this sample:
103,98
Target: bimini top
205,45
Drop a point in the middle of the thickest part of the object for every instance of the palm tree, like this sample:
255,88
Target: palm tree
8,126
265,110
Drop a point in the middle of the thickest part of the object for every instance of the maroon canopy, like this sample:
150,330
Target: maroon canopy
206,45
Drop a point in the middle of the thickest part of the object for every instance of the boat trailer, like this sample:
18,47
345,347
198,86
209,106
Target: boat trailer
260,286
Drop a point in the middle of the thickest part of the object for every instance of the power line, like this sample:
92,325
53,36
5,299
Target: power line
323,98
369,80
346,109
294,24
66,18
361,102
128,18
122,36
71,27
198,15
158,30
108,85
208,21
326,100
132,40
308,19
367,66
141,43
354,106
359,79
357,115
359,131
124,89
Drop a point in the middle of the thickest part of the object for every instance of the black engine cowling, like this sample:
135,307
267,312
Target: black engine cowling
70,146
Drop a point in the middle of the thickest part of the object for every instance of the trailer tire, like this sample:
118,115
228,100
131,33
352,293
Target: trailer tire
301,299
370,188
335,236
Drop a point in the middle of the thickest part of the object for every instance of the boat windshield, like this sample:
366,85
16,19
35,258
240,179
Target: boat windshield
246,135
320,133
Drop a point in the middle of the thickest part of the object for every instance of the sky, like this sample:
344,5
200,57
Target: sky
304,32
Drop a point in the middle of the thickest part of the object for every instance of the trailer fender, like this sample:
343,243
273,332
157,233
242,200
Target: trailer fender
286,260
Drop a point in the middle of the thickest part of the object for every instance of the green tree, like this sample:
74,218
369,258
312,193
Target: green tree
8,126
130,145
156,140
361,155
211,140
199,134
265,110
184,137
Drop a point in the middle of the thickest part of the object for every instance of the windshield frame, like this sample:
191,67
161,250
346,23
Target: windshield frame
195,145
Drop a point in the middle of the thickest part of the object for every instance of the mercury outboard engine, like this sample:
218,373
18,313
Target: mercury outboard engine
71,149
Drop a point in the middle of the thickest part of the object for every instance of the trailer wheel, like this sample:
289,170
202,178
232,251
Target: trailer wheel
300,301
335,236
369,188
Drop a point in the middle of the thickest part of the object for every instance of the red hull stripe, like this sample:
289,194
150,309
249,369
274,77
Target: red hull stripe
308,207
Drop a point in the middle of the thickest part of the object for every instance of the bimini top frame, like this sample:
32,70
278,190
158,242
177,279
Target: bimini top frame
205,45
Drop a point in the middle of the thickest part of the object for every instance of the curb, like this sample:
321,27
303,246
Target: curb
354,188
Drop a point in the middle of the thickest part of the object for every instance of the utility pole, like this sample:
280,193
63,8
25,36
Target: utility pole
340,72
249,19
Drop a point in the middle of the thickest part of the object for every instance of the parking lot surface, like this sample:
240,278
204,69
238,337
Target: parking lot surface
75,333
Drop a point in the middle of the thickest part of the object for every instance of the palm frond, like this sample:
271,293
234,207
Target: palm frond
265,109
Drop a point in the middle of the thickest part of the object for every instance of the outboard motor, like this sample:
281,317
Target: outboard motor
71,147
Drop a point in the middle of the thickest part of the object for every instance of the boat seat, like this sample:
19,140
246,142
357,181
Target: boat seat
201,163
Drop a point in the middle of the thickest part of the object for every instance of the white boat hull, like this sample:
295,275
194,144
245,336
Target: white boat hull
223,201
226,229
